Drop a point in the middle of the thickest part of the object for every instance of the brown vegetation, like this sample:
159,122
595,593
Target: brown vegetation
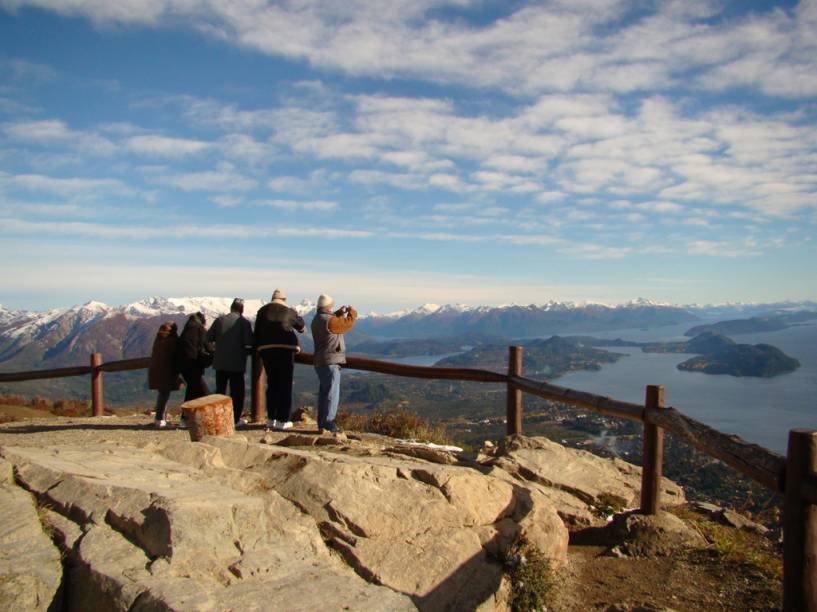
396,424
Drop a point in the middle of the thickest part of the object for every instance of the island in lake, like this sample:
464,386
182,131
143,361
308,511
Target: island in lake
754,324
549,358
717,354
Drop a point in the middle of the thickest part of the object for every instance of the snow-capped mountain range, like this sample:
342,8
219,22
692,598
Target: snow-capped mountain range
65,336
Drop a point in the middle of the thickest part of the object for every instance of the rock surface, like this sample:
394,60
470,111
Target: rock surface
30,568
269,520
638,535
575,481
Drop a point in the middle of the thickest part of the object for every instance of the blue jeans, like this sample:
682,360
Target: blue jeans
328,395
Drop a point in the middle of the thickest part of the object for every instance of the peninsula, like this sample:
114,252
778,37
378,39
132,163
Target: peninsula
718,354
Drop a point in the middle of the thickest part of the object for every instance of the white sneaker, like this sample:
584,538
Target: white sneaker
160,424
182,424
287,425
272,424
241,423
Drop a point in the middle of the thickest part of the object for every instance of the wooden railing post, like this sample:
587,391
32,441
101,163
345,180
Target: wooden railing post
97,400
259,399
653,455
514,408
799,525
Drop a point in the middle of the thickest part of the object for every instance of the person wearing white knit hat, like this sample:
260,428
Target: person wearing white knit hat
330,352
277,343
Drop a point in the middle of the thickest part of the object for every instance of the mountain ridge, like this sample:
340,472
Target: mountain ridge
65,336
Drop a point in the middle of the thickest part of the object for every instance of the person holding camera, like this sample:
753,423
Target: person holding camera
328,328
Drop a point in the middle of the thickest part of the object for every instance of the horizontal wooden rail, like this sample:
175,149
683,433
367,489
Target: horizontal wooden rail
582,399
124,365
756,462
412,371
43,374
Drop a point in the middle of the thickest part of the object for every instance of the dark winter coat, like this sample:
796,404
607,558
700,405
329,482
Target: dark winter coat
162,373
276,324
193,348
232,334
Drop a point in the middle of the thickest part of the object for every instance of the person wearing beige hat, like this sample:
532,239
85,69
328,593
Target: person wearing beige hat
330,352
277,343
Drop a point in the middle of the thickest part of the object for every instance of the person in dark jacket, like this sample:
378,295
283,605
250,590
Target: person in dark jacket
192,357
277,343
232,335
162,374
328,328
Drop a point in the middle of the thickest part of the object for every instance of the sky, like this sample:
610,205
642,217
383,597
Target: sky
410,151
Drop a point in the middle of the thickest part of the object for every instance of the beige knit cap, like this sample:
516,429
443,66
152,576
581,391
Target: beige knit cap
279,296
325,301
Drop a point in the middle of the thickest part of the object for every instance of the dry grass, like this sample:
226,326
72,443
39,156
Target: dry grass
736,546
396,424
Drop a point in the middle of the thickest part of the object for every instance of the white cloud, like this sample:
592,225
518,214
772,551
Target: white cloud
296,205
716,248
227,201
56,132
63,186
535,47
223,179
165,146
190,232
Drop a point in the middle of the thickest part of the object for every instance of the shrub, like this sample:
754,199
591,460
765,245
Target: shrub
531,577
608,504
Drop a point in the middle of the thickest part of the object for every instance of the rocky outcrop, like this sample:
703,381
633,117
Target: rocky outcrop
660,535
30,568
575,481
144,532
282,520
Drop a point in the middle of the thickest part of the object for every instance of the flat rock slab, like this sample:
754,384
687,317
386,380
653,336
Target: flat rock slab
591,479
30,565
160,534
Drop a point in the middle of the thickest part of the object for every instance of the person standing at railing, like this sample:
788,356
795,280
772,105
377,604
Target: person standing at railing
232,335
277,343
330,352
162,374
193,356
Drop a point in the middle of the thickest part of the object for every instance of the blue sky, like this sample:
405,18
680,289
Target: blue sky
410,151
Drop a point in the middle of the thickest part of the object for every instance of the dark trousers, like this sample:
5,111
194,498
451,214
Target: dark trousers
196,386
279,365
236,382
161,404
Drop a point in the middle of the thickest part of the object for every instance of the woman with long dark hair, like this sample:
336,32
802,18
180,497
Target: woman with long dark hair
162,374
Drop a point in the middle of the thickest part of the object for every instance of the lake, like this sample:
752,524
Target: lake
760,410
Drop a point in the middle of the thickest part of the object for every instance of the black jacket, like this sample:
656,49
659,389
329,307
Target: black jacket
277,324
192,345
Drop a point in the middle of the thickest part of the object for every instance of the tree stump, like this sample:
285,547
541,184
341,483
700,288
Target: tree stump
211,415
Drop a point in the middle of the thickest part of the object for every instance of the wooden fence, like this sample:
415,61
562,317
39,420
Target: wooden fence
795,476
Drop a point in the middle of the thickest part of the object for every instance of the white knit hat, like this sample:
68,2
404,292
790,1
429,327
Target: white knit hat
325,301
279,296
